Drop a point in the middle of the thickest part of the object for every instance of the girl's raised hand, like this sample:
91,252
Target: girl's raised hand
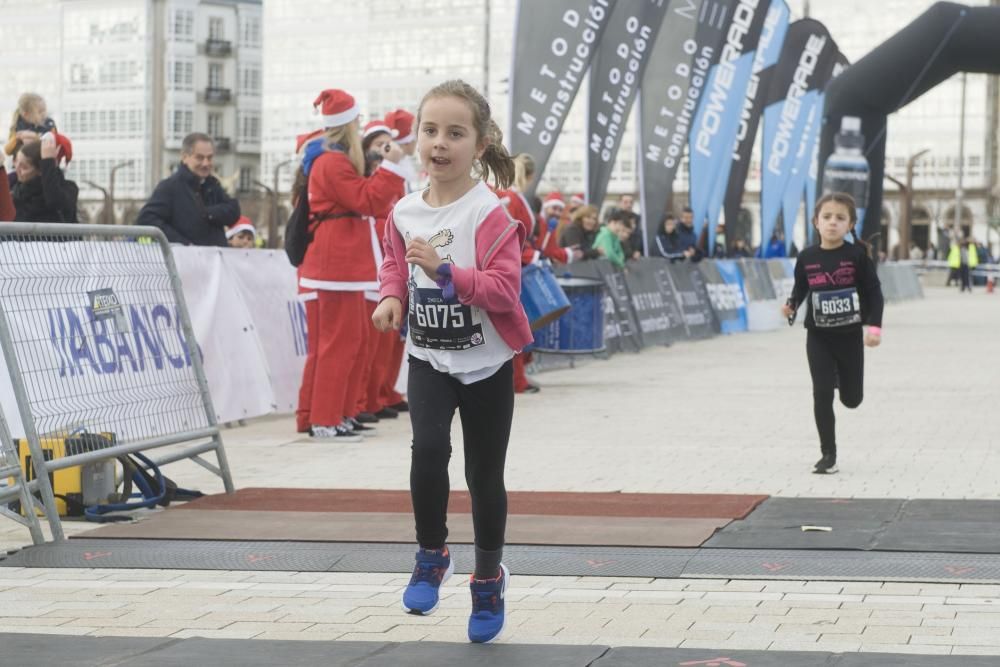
423,254
388,314
393,153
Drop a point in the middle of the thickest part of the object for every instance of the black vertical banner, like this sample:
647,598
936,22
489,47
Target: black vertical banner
677,72
615,75
554,44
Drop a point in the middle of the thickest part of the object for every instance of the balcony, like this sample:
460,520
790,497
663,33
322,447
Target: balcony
218,95
222,144
218,48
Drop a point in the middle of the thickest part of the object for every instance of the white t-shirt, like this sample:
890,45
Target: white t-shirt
452,337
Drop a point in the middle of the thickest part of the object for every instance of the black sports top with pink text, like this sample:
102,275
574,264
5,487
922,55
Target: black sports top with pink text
842,285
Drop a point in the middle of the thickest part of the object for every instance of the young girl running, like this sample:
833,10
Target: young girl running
844,294
452,264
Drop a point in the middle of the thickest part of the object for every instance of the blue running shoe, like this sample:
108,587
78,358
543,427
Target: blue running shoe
433,568
488,617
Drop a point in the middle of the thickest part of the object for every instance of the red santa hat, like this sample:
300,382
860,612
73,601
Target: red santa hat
552,199
401,122
337,106
243,224
65,147
303,139
374,127
577,199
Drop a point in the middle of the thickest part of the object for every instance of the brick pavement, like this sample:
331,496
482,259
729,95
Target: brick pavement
728,415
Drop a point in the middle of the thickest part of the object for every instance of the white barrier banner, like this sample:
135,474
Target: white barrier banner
266,283
224,328
248,324
99,341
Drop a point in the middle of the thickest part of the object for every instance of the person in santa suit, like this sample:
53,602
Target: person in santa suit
546,240
339,262
517,207
380,347
403,127
401,123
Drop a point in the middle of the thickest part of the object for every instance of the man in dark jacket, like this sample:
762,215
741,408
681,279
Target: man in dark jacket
190,205
668,241
688,240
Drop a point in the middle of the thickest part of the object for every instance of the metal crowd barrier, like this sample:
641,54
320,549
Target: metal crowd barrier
98,341
14,487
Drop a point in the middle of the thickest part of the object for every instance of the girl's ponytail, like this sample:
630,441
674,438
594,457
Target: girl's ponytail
496,161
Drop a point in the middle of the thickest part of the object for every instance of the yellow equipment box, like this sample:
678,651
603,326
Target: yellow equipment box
76,483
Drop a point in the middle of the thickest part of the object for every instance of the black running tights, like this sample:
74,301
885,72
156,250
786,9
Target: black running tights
836,359
486,409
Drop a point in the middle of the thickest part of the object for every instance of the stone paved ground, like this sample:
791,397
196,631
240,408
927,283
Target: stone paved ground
728,415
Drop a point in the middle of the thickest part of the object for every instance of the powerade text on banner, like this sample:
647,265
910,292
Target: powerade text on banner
687,47
615,74
768,50
710,144
805,65
725,290
553,46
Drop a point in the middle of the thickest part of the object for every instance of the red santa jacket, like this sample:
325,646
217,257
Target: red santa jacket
342,253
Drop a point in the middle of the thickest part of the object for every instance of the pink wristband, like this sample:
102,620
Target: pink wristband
875,330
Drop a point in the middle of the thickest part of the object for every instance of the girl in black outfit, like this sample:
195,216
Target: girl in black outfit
845,293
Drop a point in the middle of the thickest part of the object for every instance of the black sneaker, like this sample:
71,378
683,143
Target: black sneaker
387,413
402,406
358,428
826,466
367,418
531,389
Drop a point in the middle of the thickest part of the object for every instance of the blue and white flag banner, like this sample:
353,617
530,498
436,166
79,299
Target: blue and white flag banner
713,133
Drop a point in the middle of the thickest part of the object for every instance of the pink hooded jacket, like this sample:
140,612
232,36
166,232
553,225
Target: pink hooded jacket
493,285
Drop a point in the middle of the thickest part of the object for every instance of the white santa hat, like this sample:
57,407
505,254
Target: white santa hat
337,107
374,127
243,224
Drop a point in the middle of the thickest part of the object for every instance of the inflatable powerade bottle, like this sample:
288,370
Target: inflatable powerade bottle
846,168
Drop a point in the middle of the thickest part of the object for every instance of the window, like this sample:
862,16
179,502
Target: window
249,127
215,75
249,80
215,125
216,28
182,26
181,123
250,32
180,74
246,179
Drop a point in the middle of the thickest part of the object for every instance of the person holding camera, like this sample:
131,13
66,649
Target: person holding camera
41,193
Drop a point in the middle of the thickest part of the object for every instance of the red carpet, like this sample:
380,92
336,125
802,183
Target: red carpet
543,503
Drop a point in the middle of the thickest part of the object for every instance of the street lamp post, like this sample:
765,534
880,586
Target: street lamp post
906,206
111,191
272,227
272,223
107,200
906,219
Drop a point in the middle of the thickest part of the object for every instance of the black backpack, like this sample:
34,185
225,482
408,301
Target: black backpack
297,233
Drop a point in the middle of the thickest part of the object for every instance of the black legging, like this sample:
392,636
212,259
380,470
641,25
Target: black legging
835,358
966,278
486,409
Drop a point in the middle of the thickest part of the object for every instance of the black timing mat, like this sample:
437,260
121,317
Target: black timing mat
958,526
522,559
26,650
